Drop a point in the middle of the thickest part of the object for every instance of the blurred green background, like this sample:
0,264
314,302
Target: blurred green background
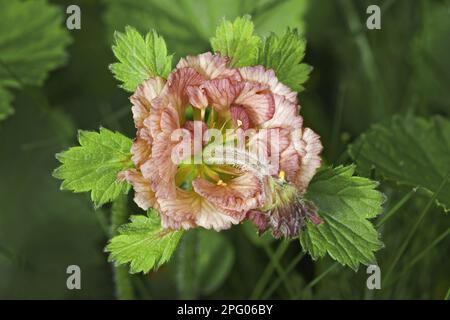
360,77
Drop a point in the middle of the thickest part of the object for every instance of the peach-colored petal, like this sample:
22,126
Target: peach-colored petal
197,97
175,91
210,66
255,99
260,75
286,115
160,169
310,161
140,150
242,193
189,208
142,97
221,92
143,194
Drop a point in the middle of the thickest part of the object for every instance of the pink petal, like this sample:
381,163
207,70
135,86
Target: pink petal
142,98
260,75
286,115
141,148
311,160
239,194
143,194
197,97
175,91
240,117
210,66
189,209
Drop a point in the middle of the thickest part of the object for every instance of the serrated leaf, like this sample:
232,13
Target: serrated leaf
188,25
205,259
5,103
283,54
94,165
32,42
345,203
410,150
143,243
139,58
237,41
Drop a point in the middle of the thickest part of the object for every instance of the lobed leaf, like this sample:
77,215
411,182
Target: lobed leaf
345,203
283,54
139,58
94,165
143,243
237,41
32,43
410,151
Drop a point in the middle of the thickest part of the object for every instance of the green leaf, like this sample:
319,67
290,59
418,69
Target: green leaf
94,165
143,243
139,58
345,204
188,25
283,55
32,43
5,103
204,261
237,41
410,151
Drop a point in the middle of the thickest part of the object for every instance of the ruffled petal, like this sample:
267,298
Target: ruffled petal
211,66
189,209
257,101
197,97
160,168
142,97
241,194
221,92
310,149
141,148
286,115
144,197
175,91
260,75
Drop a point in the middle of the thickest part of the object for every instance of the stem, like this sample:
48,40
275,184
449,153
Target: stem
124,288
367,56
320,277
395,208
283,276
415,227
447,296
419,257
265,277
279,269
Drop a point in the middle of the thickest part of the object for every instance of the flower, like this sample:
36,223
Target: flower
262,179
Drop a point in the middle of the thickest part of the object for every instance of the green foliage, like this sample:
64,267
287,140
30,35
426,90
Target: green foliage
143,243
32,42
430,50
94,165
283,54
408,150
188,24
139,58
204,261
345,204
237,41
5,103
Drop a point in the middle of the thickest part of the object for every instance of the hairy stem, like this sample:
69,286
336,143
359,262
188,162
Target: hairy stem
119,216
